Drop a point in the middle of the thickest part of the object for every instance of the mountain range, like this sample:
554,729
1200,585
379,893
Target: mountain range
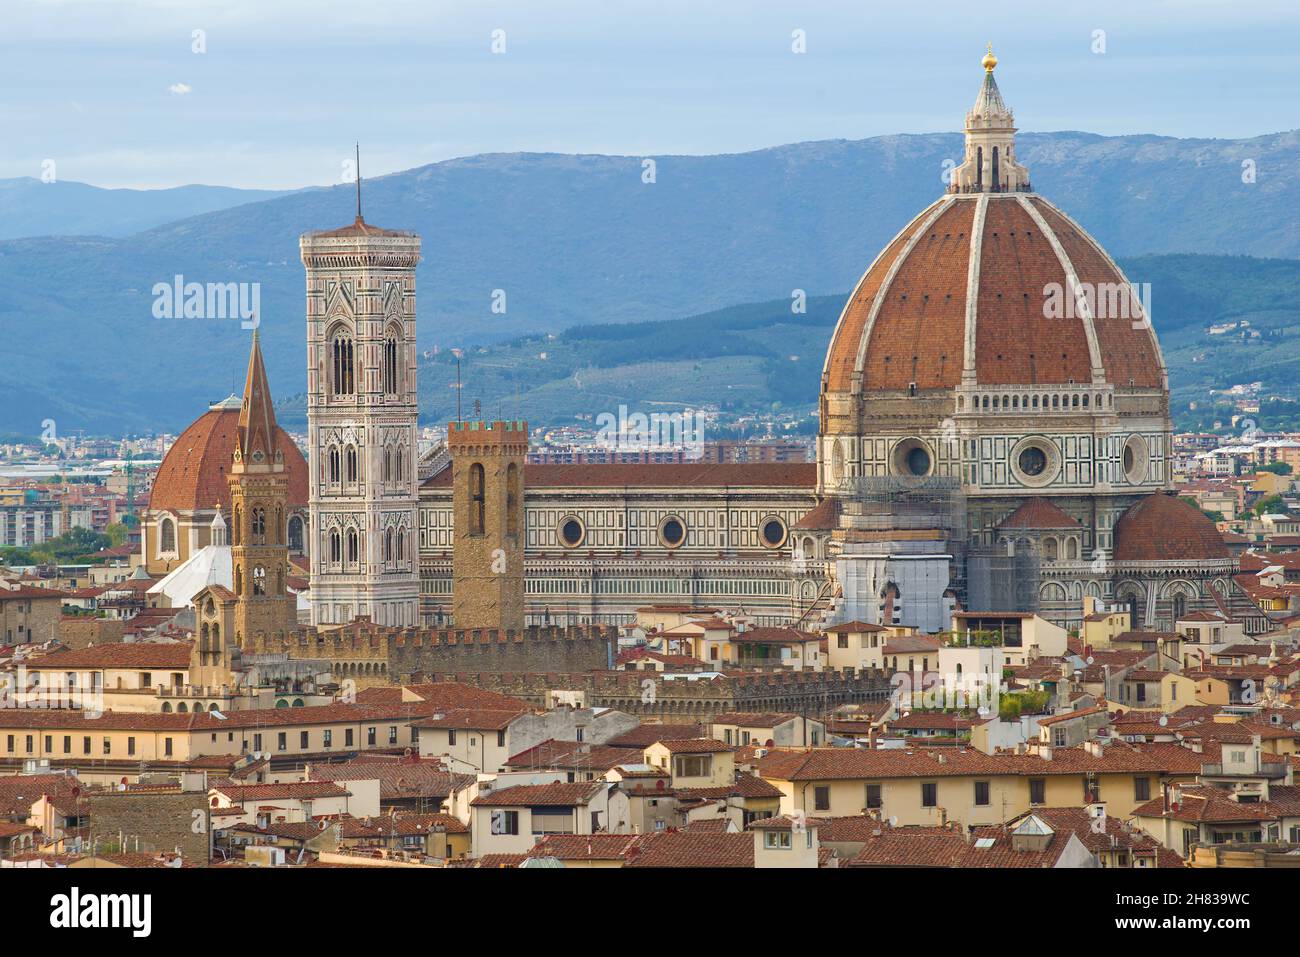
582,242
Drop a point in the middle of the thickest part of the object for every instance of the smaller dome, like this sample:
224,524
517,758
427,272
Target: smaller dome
195,472
1163,527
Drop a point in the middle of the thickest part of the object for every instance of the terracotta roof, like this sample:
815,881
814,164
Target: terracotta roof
693,849
1165,528
910,644
668,475
1038,513
195,471
695,746
647,734
574,755
357,228
911,305
18,792
540,795
397,779
585,847
486,719
772,635
289,791
752,719
136,654
824,516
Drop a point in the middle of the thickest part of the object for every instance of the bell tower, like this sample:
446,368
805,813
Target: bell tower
259,488
487,564
362,412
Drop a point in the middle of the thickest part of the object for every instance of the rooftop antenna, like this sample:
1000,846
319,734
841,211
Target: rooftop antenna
359,181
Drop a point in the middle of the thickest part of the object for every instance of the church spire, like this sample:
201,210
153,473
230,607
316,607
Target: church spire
255,441
990,165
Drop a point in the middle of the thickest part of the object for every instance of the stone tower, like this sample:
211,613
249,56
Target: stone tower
487,476
361,412
259,488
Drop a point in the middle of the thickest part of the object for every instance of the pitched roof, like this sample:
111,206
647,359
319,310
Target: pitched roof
136,654
693,849
541,795
1036,513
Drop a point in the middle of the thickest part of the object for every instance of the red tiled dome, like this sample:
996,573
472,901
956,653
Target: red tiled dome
906,322
1165,528
195,470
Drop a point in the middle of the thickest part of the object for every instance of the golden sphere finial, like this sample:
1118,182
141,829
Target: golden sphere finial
989,61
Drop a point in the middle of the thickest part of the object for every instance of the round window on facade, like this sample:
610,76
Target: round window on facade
1033,461
912,457
672,532
773,533
1135,460
572,532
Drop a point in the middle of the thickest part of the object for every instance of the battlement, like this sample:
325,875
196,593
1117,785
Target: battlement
484,438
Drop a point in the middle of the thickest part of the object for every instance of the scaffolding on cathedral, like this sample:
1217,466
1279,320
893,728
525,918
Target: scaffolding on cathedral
910,518
1003,578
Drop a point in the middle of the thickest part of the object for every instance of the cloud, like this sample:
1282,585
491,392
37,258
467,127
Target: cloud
180,89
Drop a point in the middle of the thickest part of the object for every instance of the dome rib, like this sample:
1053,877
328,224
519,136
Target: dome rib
911,337
1126,352
852,325
1097,373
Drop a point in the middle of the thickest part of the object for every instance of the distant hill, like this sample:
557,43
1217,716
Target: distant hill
761,356
30,207
582,241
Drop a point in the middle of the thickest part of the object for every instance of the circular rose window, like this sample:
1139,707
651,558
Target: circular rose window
672,532
572,532
773,533
1033,461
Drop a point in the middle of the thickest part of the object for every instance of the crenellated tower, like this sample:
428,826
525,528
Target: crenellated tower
487,476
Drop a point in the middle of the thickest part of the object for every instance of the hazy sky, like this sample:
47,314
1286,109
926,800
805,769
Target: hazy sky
111,90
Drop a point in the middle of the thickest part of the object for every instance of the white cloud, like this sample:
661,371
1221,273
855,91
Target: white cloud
180,89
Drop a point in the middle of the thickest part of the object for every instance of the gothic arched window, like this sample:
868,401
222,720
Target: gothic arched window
389,370
259,580
336,547
342,378
353,550
477,499
388,545
399,475
351,462
388,463
295,534
334,464
259,526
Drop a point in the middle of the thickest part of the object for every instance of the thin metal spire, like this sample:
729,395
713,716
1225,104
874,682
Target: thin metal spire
358,181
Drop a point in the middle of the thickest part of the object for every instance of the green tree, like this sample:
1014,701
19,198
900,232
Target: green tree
1277,468
116,533
1268,504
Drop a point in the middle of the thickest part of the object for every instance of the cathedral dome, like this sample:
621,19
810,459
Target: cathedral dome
1162,527
194,473
974,291
991,285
